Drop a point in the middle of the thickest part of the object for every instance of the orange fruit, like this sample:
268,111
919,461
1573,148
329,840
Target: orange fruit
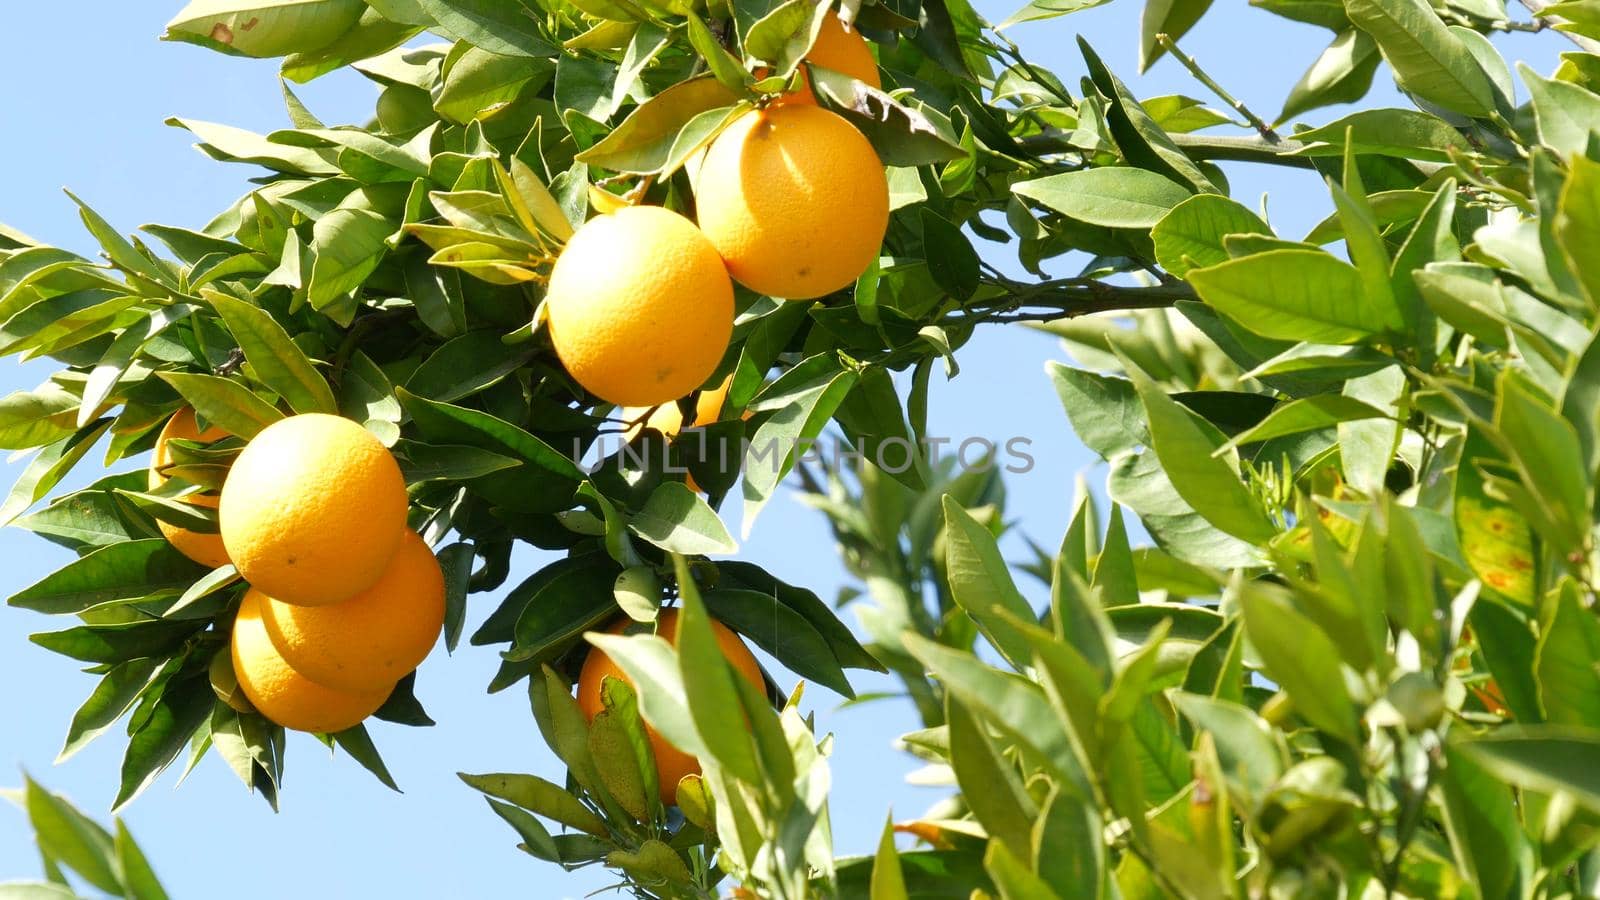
640,307
671,763
842,49
373,639
668,418
283,695
795,200
313,509
205,549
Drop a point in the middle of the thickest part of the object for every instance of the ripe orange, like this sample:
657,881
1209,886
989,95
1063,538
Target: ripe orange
795,200
313,509
205,549
671,763
667,418
284,695
640,306
373,639
842,49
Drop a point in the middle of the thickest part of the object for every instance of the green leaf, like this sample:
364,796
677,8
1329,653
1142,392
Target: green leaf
1251,757
70,837
1142,142
137,875
888,881
679,520
1010,703
1067,848
536,838
119,572
1404,133
263,28
506,27
466,365
1567,115
1187,447
1301,659
172,721
1037,10
1567,661
1494,538
645,142
116,643
478,83
981,584
358,743
480,429
951,259
224,402
989,783
1295,295
1114,197
1012,877
1545,449
709,685
1307,414
35,890
1341,74
347,245
234,144
1172,18
903,131
654,862
1105,412
1190,234
111,698
622,753
1480,816
37,417
1427,58
560,608
276,360
537,795
48,467
652,667
846,649
724,66
1578,223
1546,759
805,399
1367,445
781,632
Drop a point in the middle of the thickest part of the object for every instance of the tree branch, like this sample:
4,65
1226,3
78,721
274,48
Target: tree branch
1068,298
1239,149
1537,7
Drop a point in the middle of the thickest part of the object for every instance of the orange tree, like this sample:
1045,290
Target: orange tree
1361,655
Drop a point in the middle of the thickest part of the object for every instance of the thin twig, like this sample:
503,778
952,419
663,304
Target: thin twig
1068,298
1233,148
1171,46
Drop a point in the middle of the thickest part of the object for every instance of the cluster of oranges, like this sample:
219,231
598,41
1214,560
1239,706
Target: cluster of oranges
344,598
791,201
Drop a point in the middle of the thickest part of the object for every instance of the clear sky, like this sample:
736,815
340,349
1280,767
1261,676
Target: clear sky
88,86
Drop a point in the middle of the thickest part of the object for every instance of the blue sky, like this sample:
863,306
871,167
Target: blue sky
88,88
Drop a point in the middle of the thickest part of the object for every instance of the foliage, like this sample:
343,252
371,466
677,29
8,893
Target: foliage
1362,655
68,841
